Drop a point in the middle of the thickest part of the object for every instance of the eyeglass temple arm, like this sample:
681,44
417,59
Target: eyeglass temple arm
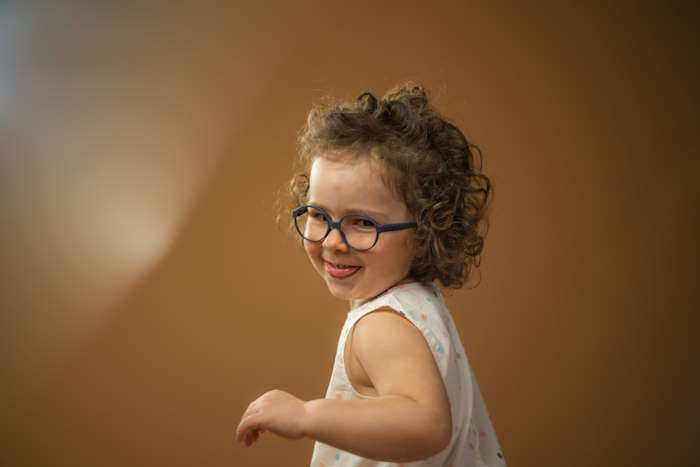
299,210
391,227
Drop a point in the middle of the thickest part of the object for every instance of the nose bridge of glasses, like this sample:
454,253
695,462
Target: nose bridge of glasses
335,235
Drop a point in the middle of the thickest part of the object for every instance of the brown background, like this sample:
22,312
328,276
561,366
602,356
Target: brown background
147,296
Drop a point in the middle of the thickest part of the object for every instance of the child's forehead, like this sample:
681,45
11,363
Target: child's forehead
346,186
347,174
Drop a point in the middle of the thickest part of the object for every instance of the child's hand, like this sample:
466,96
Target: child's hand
276,411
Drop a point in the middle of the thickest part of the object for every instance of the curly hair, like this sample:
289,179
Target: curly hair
426,160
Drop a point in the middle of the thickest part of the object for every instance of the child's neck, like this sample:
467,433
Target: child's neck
361,301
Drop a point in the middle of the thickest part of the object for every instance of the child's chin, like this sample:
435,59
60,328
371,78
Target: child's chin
340,292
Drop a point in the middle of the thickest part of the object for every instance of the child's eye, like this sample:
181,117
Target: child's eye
362,223
317,215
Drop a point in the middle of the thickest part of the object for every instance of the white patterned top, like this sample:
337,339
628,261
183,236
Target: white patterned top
474,442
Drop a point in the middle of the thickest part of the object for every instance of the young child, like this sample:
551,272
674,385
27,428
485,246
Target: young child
389,204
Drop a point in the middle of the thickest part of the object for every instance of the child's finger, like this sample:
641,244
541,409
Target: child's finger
243,427
242,432
251,437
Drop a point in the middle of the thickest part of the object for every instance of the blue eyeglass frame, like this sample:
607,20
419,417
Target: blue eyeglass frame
379,228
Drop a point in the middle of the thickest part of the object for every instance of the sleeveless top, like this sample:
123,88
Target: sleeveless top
474,442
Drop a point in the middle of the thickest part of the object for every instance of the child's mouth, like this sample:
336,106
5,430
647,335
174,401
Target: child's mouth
340,271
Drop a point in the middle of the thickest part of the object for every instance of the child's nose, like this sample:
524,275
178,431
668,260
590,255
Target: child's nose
335,241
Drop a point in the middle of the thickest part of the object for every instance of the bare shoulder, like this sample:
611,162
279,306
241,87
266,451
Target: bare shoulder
384,319
397,359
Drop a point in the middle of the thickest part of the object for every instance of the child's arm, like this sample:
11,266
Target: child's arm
410,419
388,428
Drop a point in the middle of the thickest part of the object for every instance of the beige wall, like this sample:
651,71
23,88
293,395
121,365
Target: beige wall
147,296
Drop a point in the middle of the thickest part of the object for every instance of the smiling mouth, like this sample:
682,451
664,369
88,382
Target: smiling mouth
340,271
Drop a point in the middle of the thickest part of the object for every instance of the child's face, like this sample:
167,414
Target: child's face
340,188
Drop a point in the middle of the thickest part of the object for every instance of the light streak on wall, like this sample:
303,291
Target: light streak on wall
110,121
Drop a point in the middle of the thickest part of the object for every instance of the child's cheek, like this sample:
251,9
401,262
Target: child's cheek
309,250
313,253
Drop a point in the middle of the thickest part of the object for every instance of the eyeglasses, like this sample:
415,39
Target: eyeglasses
358,231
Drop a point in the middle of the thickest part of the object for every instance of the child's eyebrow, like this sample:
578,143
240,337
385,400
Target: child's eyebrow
370,212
